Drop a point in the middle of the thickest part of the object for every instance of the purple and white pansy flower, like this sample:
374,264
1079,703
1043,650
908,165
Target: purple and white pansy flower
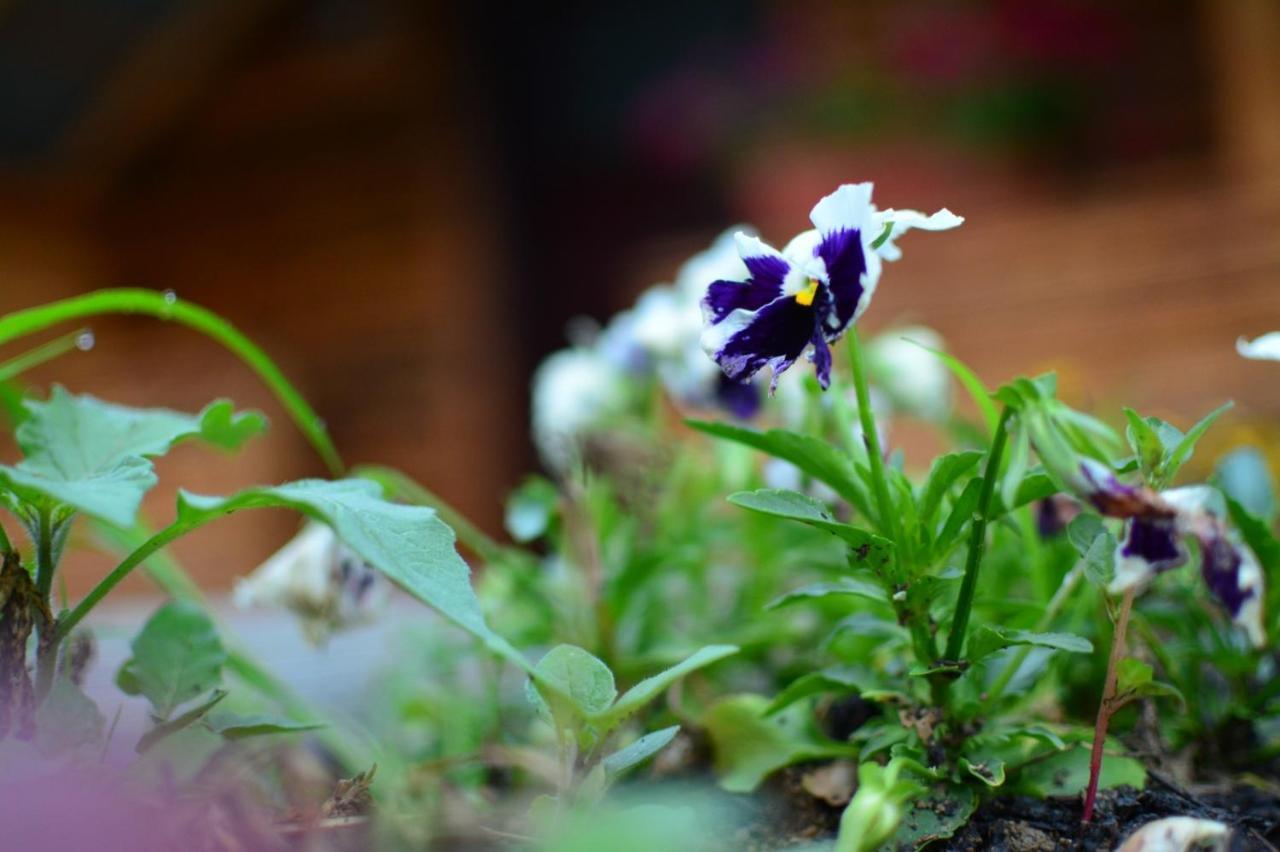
803,298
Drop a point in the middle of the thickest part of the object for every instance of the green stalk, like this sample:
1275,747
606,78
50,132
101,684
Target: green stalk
922,639
6,546
166,307
47,646
977,539
42,354
44,554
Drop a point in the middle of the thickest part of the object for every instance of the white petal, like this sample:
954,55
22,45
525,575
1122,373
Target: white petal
714,337
1264,348
1249,618
719,262
1178,834
849,207
901,221
751,246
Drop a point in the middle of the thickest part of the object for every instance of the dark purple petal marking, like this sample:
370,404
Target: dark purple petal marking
821,358
1053,514
841,251
741,399
1220,563
1156,541
773,338
1114,499
763,285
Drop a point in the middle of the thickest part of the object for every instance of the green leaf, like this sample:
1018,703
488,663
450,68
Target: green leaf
1036,485
1067,774
869,549
223,427
934,817
176,657
942,475
584,683
409,544
747,746
811,455
989,771
837,679
1180,453
639,751
531,509
846,587
1019,459
962,512
987,639
1096,546
650,688
67,720
1135,679
235,726
95,456
1144,440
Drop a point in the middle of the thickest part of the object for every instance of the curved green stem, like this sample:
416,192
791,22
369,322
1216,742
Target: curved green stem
875,457
977,540
165,307
42,354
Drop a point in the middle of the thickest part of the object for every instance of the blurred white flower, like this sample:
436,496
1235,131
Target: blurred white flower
1264,348
905,220
319,579
915,380
574,391
1178,834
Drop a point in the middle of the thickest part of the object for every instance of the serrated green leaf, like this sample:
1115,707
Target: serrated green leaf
585,686
1135,679
410,544
811,455
987,639
95,456
650,688
845,587
1096,546
639,751
869,550
176,657
1083,529
236,726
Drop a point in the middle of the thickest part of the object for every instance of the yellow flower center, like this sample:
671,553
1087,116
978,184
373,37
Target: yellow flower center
806,296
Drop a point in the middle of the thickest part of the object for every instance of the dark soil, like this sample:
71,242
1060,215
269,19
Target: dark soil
1023,824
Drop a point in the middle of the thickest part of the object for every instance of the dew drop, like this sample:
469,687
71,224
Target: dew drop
170,297
85,341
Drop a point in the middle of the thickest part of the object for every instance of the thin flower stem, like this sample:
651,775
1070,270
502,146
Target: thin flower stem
42,354
44,554
6,546
47,645
977,540
1107,706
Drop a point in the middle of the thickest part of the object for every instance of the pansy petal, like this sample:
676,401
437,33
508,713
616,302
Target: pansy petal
845,220
746,342
821,358
1233,576
766,271
1264,348
891,224
1150,546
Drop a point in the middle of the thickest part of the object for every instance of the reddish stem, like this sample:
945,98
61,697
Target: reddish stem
1107,706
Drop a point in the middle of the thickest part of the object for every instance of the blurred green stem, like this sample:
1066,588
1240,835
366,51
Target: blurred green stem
43,353
977,540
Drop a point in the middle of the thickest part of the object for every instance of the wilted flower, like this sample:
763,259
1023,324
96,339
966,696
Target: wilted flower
804,297
1264,348
320,580
916,380
574,391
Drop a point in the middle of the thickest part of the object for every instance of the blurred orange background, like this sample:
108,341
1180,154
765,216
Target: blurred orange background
405,202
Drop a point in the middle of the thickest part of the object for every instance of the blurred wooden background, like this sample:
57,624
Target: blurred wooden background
395,201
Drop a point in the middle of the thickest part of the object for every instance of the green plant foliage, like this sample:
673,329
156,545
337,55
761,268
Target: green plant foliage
749,743
95,457
177,657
